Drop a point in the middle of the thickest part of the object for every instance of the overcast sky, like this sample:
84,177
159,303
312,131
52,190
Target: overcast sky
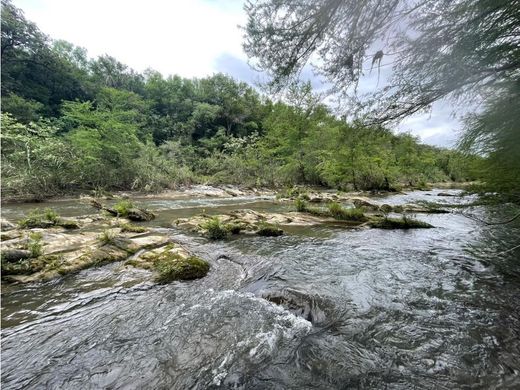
191,38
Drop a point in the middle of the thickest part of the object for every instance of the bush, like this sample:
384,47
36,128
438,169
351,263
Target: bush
216,231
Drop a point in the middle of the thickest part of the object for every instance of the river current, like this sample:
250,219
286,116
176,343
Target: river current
317,308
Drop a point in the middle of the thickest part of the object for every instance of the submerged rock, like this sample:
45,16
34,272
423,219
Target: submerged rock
299,303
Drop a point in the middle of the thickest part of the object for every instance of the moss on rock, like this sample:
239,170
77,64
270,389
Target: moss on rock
131,228
399,223
172,266
269,230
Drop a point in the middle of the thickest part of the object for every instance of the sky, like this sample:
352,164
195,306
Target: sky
191,38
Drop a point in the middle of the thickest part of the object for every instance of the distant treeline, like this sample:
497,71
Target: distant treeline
73,123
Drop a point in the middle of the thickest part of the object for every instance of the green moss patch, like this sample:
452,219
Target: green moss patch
269,230
172,266
399,223
131,228
31,266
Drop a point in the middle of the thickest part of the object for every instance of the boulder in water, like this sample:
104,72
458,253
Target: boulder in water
139,215
171,266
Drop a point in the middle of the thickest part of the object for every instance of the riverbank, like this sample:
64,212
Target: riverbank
197,190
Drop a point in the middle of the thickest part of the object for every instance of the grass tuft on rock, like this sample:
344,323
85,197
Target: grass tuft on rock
171,266
334,210
35,245
215,229
400,223
301,205
107,237
46,218
40,219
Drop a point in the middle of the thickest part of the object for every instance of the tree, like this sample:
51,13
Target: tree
437,48
31,69
467,50
34,160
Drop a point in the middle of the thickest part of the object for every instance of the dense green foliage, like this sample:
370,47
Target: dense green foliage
70,123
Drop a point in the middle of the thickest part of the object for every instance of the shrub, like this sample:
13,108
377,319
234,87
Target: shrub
216,231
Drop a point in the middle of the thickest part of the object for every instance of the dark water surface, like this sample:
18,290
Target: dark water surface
318,308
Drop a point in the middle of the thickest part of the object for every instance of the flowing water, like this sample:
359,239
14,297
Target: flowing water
318,308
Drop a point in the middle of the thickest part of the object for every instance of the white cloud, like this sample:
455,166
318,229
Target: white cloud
173,37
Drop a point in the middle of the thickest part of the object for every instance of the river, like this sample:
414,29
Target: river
321,307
